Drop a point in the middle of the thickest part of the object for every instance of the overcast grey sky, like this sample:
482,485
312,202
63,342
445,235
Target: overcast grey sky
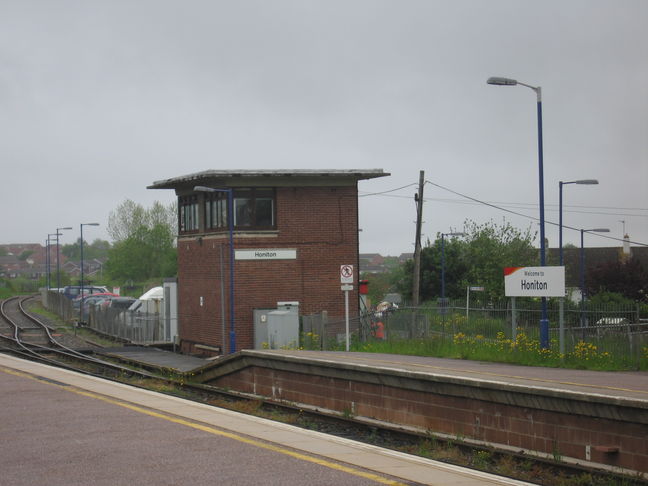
98,99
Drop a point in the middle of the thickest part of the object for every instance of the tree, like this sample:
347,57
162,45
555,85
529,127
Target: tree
130,217
431,264
126,220
383,283
479,258
625,277
97,249
490,248
144,242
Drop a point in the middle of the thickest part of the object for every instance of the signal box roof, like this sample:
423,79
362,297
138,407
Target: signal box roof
260,178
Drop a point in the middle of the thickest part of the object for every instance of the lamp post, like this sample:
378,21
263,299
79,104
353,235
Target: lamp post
58,267
582,267
443,262
230,224
48,258
498,81
81,294
560,210
561,303
47,265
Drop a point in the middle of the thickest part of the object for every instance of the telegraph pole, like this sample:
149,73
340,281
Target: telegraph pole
417,244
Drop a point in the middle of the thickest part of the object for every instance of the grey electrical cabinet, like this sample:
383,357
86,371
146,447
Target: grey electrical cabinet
261,340
283,329
277,328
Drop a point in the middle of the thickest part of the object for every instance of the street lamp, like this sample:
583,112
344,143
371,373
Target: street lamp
560,210
497,81
58,267
582,267
81,301
230,224
47,264
443,263
48,259
561,302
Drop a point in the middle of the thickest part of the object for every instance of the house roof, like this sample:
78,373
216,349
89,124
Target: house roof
259,178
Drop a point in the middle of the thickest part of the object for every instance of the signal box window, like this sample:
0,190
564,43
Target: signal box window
188,213
254,208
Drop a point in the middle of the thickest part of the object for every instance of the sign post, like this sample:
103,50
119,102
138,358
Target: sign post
468,289
535,282
346,281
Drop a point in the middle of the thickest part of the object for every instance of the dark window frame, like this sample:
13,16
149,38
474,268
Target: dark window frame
188,214
255,212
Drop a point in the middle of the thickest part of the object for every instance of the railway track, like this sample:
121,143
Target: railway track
17,325
26,335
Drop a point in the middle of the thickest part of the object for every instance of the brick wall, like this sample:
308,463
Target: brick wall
319,222
489,416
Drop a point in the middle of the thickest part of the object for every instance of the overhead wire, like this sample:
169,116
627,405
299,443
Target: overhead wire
390,190
473,200
515,205
526,215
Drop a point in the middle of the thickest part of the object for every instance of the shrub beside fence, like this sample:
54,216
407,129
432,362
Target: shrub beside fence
618,331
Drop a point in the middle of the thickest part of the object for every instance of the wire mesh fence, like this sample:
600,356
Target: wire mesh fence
133,326
616,329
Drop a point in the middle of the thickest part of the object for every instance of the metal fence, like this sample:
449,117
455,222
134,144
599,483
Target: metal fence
619,330
58,304
135,327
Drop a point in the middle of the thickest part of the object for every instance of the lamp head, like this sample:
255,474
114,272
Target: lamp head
203,189
497,81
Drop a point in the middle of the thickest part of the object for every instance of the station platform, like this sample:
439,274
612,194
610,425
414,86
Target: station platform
630,385
595,419
66,428
150,357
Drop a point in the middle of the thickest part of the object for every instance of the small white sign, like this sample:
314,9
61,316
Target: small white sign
266,254
346,274
346,287
534,281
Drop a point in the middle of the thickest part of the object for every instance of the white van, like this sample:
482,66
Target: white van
149,302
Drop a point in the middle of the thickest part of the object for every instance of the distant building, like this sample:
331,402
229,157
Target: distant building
371,258
403,257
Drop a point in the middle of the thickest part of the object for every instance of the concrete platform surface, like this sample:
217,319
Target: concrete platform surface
64,428
628,385
154,357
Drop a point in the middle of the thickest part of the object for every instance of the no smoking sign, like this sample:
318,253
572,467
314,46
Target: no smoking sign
346,274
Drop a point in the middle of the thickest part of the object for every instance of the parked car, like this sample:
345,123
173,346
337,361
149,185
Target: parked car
94,299
121,303
150,301
73,291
